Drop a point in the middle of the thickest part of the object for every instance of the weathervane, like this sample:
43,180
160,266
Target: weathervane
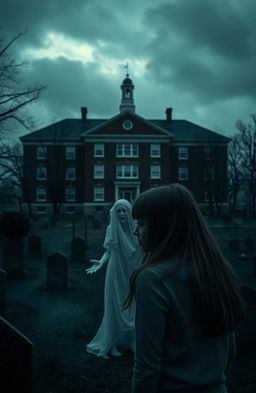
127,69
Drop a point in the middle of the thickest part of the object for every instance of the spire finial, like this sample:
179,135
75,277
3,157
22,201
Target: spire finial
127,69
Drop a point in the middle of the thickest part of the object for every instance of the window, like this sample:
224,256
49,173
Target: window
155,150
99,150
207,153
70,173
127,150
183,173
155,171
98,193
70,153
127,171
98,171
41,173
70,209
40,194
70,194
209,174
41,209
41,152
183,153
206,196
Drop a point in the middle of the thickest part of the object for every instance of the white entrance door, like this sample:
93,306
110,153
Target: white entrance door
127,193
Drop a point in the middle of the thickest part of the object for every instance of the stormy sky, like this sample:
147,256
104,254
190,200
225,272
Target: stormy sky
197,56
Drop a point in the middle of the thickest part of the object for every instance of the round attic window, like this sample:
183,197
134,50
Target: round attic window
127,125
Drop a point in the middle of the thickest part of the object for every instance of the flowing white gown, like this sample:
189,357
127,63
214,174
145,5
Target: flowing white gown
117,326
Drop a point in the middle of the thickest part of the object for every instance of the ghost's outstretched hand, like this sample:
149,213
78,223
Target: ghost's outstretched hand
96,266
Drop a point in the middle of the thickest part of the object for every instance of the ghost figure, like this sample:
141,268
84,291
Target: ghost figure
117,327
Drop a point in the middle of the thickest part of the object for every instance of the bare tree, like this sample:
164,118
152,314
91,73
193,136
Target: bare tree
12,164
248,151
14,97
235,172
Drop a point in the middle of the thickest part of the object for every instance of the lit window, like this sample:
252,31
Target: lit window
98,171
70,194
155,150
127,171
70,153
99,150
183,173
40,194
127,150
70,173
209,174
41,173
99,193
183,153
155,171
41,152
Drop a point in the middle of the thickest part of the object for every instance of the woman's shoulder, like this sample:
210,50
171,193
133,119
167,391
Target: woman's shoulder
168,269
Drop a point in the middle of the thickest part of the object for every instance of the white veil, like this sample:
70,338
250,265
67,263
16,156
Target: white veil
119,236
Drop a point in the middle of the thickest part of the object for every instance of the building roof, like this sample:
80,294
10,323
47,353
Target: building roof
73,129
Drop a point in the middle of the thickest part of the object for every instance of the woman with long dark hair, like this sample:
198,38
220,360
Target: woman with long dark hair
187,298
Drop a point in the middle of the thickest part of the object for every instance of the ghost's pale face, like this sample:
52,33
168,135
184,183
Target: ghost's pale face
121,214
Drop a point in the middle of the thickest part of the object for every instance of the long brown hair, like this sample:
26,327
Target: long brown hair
176,229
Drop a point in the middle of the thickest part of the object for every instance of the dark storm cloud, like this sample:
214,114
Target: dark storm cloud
203,47
70,85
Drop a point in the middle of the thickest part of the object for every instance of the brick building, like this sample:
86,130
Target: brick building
81,165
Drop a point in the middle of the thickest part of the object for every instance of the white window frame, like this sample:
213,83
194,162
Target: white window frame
155,150
41,173
183,153
98,193
207,153
42,191
127,150
70,152
41,152
99,150
70,194
155,171
183,173
131,169
70,173
206,196
211,173
98,172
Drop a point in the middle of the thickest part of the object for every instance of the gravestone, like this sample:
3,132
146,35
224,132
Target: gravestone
246,332
234,245
77,250
34,247
2,290
57,272
16,360
13,257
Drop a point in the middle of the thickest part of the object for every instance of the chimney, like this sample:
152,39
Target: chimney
84,114
168,115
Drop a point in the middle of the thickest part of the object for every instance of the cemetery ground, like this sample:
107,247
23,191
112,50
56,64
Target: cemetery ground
61,322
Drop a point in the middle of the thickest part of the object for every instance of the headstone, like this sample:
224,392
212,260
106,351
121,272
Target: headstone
34,246
246,332
13,257
77,250
234,245
16,360
2,290
57,272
